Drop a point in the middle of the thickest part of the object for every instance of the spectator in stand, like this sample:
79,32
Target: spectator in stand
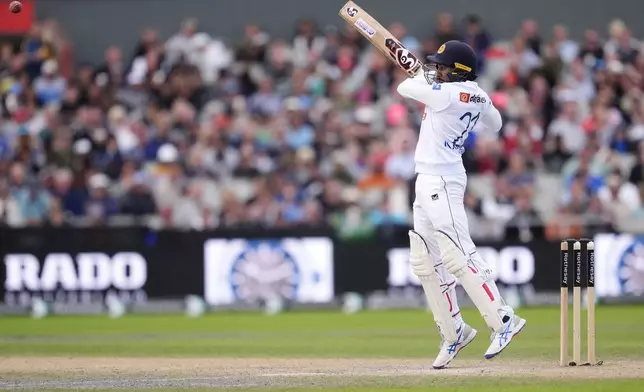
6,56
99,205
567,125
17,178
232,212
638,215
56,217
308,44
445,29
637,172
210,56
138,200
555,154
525,217
38,49
485,158
33,203
602,122
50,86
585,168
399,31
10,212
111,72
383,216
188,212
578,200
592,52
309,130
529,34
299,132
313,214
621,45
291,205
478,38
331,198
149,41
376,177
524,137
519,177
523,59
265,101
619,197
501,206
146,68
253,47
567,49
578,82
60,189
178,47
400,165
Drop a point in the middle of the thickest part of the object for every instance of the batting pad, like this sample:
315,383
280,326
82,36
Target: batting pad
437,300
488,304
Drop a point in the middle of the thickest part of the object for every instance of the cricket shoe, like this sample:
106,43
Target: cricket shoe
501,340
449,350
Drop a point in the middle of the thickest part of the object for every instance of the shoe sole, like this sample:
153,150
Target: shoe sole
490,356
465,344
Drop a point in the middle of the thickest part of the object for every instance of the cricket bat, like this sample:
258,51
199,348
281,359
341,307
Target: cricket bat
381,38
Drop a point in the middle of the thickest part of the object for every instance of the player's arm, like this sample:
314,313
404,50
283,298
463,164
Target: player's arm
492,120
435,96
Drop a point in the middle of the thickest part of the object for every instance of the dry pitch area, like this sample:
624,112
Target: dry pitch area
133,373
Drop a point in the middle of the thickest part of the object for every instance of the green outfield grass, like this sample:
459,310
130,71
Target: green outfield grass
390,335
300,334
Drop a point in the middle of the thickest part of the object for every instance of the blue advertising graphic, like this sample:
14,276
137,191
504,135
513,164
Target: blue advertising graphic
619,265
240,270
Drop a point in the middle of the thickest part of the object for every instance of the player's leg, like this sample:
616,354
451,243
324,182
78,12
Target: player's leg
505,324
439,288
444,205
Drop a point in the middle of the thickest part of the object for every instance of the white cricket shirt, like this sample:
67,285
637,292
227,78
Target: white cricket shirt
452,111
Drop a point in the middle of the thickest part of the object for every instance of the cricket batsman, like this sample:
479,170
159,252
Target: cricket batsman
441,249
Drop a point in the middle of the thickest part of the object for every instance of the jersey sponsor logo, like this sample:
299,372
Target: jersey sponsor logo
436,86
365,27
477,99
468,98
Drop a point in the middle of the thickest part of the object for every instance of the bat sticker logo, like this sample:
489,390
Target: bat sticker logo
405,59
364,26
352,11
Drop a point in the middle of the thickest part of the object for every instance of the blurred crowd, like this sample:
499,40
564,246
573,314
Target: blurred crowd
199,132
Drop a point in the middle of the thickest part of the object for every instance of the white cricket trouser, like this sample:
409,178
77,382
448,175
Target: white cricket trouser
439,206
